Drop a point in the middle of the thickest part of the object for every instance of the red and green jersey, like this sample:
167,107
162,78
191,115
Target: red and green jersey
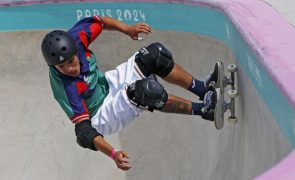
80,97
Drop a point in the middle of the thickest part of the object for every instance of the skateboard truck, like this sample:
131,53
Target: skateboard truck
222,105
232,93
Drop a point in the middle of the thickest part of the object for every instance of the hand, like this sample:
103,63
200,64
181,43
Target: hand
120,160
134,30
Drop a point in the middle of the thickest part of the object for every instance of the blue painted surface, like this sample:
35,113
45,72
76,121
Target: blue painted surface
164,16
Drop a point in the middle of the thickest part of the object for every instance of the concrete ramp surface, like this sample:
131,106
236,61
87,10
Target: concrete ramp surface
38,141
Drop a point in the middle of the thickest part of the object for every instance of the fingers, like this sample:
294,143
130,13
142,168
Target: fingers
124,154
121,161
122,157
143,28
123,167
139,28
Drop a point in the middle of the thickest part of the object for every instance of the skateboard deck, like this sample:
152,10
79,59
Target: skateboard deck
221,105
218,113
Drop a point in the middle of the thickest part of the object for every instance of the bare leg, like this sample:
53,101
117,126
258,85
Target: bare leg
177,105
179,77
182,78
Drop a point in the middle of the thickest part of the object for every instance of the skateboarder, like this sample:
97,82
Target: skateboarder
101,104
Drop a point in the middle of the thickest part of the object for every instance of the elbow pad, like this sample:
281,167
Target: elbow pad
85,134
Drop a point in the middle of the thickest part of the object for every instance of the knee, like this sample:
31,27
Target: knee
147,94
155,59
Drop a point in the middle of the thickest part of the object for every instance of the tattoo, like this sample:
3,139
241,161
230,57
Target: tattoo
178,106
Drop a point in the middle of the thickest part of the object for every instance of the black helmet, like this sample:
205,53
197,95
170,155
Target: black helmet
57,47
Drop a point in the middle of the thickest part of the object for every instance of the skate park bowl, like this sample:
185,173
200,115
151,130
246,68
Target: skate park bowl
38,140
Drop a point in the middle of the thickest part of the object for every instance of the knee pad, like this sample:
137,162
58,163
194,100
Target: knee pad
155,59
147,94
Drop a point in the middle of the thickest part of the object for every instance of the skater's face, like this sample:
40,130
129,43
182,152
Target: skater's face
70,68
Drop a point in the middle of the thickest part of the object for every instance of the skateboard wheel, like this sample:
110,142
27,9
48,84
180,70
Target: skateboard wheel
232,93
232,68
233,120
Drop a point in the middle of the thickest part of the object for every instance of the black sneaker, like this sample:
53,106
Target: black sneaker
210,100
212,78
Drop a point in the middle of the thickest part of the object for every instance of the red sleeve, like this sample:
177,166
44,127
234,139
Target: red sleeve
86,31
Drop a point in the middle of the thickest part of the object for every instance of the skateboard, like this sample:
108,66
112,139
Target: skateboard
221,104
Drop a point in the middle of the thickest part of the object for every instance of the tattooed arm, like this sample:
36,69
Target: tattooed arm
177,105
